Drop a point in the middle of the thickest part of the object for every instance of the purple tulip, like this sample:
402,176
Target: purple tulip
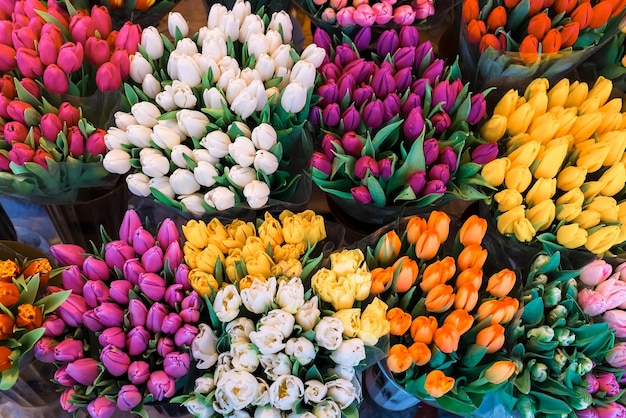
92,322
174,294
434,71
66,397
611,410
352,144
417,181
84,370
130,224
362,95
152,260
383,82
414,124
322,39
110,314
385,168
431,151
68,350
607,382
114,360
373,114
171,323
411,102
138,372
185,335
387,43
176,364
441,121
331,71
457,86
443,93
72,280
161,386
137,312
117,252
365,164
331,115
53,325
182,276
361,194
64,379
165,345
95,292
419,87
192,300
132,270
72,310
409,36
315,115
44,350
592,383
404,58
345,85
321,165
152,285
173,255
190,315
330,145
363,38
403,79
477,110
361,70
448,157
137,341
439,172
69,254
167,233
96,269
155,317
590,412
101,407
424,55
119,291
142,240
391,106
434,187
128,397
350,118
328,92
344,54
113,336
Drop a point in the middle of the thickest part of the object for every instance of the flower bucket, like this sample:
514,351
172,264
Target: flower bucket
384,390
34,387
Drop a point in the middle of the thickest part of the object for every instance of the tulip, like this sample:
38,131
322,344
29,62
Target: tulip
128,397
434,71
156,315
28,62
361,194
101,407
417,181
494,128
399,359
477,110
427,245
414,124
539,25
185,335
95,292
114,336
473,231
440,298
84,370
500,371
161,386
438,384
53,325
595,272
583,15
528,49
176,364
423,329
460,319
602,239
492,338
475,31
72,310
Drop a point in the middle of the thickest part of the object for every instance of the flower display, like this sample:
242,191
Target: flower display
122,338
213,118
395,129
561,175
143,12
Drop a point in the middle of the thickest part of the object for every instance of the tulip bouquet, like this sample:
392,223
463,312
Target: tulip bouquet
23,307
512,41
395,130
213,118
143,12
122,338
47,154
449,303
561,176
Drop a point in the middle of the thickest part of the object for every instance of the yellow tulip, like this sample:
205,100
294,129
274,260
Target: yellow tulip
253,246
191,254
617,142
606,206
525,154
524,230
567,118
614,179
195,233
507,219
518,178
494,171
571,177
623,124
518,140
520,101
601,89
590,105
610,122
494,128
587,219
508,199
294,229
569,205
549,162
593,156
557,96
577,94
543,189
571,236
520,119
542,215
374,322
536,87
507,104
603,239
271,231
543,128
585,126
622,233
348,261
592,188
621,211
208,257
539,102
203,283
612,106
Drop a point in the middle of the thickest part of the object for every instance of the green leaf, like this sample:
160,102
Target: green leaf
29,339
130,94
390,130
473,355
414,161
53,301
549,405
375,189
533,312
517,15
32,287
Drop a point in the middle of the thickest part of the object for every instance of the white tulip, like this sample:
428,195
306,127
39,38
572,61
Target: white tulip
230,24
329,332
139,67
226,77
238,128
234,88
294,98
327,409
301,349
186,46
124,119
117,161
188,71
284,73
193,203
245,358
204,155
164,137
305,414
349,353
165,99
220,198
227,303
303,72
242,150
342,391
265,66
308,314
264,136
145,113
173,125
207,63
274,40
213,99
268,339
313,54
241,9
176,21
138,184
259,296
263,393
267,412
244,104
290,295
229,63
203,347
239,329
163,185
192,122
282,56
257,90
216,13
139,135
344,372
172,64
205,173
214,48
183,182
257,44
240,176
178,153
279,319
154,164
115,138
217,143
314,391
221,402
272,94
249,75
285,392
251,24
239,387
257,193
283,21
214,33
150,86
183,95
198,409
152,42
275,365
265,161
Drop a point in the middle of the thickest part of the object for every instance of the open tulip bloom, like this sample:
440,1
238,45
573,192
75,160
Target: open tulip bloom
216,120
560,177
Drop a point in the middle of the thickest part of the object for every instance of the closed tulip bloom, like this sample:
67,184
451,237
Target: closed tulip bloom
8,60
492,338
606,206
500,371
423,329
475,31
473,230
524,230
525,154
507,104
470,10
108,77
542,215
414,228
519,121
440,298
472,276
399,321
407,274
446,338
427,245
84,370
541,190
460,319
399,359
602,239
494,172
494,128
438,384
539,25
613,179
501,283
528,49
137,341
587,219
593,156
472,256
497,18
571,177
571,236
466,297
435,274
577,94
440,223
388,248
518,178
583,15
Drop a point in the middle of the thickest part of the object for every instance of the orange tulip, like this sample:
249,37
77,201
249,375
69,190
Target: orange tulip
9,294
582,14
535,7
489,40
28,316
547,3
475,30
399,321
601,13
461,320
466,297
472,256
501,283
436,273
511,3
528,49
388,248
440,223
491,338
414,228
144,4
472,276
539,25
450,266
6,326
440,298
473,231
569,34
423,329
407,275
446,338
420,353
399,359
8,270
501,311
551,43
511,305
427,246
500,371
5,361
496,19
566,6
438,384
618,7
41,266
470,10
380,278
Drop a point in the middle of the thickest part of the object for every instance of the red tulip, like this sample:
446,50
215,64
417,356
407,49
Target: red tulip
488,40
528,49
539,25
108,77
552,42
497,18
475,30
470,10
569,34
601,13
583,14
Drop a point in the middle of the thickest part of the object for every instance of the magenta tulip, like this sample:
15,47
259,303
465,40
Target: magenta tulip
137,312
364,165
113,336
434,187
174,294
68,114
417,181
128,397
152,259
68,350
95,143
173,255
117,252
361,194
129,37
72,310
439,172
67,396
44,350
108,77
161,386
352,144
55,79
185,335
8,58
176,364
84,370
165,345
137,341
101,20
387,43
29,63
101,407
409,36
448,157
138,372
115,360
53,325
95,292
182,276
373,114
132,270
414,124
63,378
155,317
70,57
485,153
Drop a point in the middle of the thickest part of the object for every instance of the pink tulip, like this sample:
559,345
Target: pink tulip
81,27
173,256
84,370
113,336
53,325
95,143
174,294
616,318
129,37
63,378
132,270
424,9
4,163
128,397
6,30
137,312
50,125
345,16
165,345
44,350
404,15
101,407
171,323
110,314
137,341
120,59
75,141
92,322
15,131
29,63
66,398
616,356
116,253
587,413
108,77
68,350
161,386
383,12
8,59
97,51
613,290
592,383
24,37
101,20
364,15
115,360
167,233
592,303
7,87
155,317
152,259
185,335
42,157
182,276
611,410
176,364
21,153
95,292
130,224
361,194
595,272
70,57
138,372
20,111
152,285
142,240
72,310
96,269
55,79
68,114
119,291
